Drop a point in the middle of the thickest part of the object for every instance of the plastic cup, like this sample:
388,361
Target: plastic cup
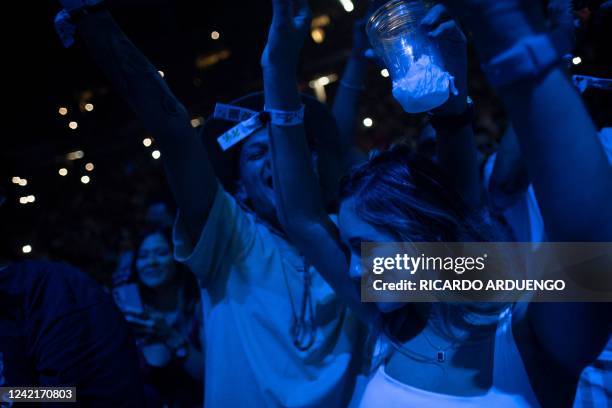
420,81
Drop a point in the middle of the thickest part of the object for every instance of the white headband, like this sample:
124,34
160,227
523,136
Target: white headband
251,121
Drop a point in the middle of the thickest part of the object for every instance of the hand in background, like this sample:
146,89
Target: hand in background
152,329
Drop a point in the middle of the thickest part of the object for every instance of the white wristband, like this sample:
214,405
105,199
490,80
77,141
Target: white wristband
529,58
286,118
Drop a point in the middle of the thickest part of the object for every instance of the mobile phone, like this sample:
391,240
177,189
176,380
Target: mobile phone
128,298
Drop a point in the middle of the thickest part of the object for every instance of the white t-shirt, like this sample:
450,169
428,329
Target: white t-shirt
245,270
510,388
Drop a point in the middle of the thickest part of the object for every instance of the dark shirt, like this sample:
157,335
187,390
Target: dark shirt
58,328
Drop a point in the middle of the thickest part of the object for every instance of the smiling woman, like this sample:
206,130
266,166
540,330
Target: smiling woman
167,324
154,262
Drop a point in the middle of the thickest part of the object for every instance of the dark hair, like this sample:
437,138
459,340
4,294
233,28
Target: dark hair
407,196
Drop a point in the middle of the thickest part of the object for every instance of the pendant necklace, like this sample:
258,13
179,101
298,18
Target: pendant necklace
440,352
303,330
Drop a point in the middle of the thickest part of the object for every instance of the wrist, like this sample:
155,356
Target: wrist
281,91
282,101
279,65
452,120
501,33
526,60
355,71
284,117
355,86
455,106
359,56
179,351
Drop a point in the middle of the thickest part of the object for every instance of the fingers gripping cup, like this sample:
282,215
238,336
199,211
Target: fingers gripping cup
420,82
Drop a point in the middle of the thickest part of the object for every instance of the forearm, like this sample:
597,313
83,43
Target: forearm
458,158
130,73
298,198
139,83
298,192
566,162
346,106
304,219
573,185
572,182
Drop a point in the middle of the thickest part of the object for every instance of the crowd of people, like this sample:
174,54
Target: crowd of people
248,294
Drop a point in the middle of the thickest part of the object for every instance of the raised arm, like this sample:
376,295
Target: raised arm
573,183
456,146
565,161
300,207
188,170
346,102
510,177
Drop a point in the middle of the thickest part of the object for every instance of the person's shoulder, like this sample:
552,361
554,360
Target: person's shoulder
29,274
53,272
58,284
229,211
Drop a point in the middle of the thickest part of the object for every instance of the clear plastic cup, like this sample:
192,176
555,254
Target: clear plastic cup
420,81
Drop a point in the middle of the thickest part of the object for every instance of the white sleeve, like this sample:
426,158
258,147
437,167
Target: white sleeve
229,231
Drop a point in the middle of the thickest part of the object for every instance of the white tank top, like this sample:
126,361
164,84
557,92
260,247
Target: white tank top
511,387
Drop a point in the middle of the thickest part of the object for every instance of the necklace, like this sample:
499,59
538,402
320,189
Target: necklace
303,328
421,358
441,352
